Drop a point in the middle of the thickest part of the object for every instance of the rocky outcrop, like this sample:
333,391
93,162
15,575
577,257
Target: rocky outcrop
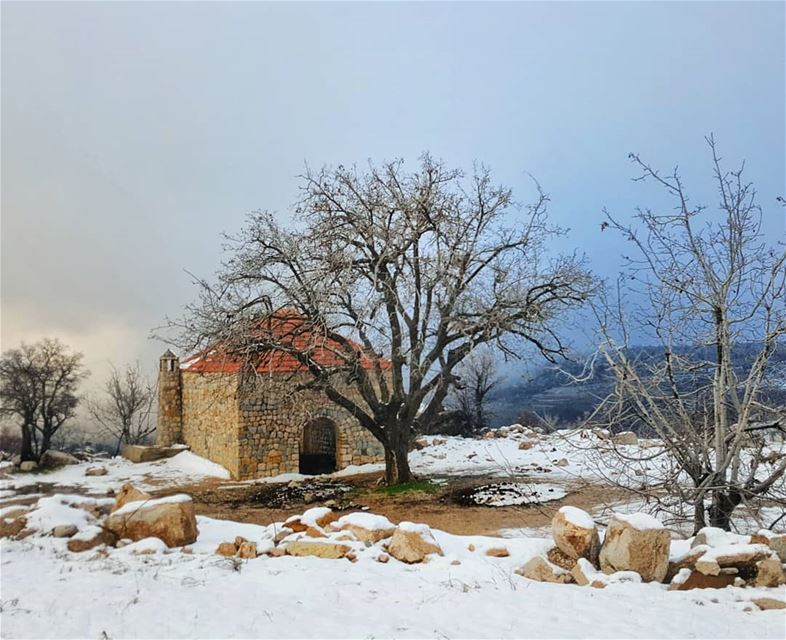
541,570
171,519
636,542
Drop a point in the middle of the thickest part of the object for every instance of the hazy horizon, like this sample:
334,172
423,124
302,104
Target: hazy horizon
133,135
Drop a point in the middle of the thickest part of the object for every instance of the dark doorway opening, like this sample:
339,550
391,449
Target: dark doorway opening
318,450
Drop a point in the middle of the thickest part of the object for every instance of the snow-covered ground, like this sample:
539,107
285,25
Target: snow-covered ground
47,591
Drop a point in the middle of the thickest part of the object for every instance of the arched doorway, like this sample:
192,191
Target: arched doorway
318,448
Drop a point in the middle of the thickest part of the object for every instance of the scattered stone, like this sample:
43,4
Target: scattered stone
319,549
282,533
420,444
575,534
366,527
96,471
769,573
91,537
11,527
129,493
562,462
247,550
51,459
351,556
383,558
636,543
412,543
455,562
471,547
525,445
625,438
64,530
139,453
171,519
498,552
539,569
276,552
227,549
562,560
687,579
187,550
28,465
769,603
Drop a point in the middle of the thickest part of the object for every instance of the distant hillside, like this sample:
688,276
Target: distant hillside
550,392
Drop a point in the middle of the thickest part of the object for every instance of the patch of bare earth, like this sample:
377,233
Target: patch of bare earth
267,503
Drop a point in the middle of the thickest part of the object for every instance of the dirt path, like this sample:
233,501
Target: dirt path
267,503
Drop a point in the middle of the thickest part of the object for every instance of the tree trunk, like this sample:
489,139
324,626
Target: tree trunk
397,464
723,505
26,452
699,516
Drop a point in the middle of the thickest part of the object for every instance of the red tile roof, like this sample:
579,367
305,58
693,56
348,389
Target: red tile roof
289,328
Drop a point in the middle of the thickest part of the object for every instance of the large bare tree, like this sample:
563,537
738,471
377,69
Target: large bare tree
123,411
410,271
38,387
710,290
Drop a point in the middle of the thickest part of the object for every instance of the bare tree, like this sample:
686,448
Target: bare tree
38,387
476,380
401,276
706,288
124,411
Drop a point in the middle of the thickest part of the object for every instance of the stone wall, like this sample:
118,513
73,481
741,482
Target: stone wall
272,419
210,417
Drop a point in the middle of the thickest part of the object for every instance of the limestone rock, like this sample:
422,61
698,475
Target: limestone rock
383,558
282,533
171,519
525,445
51,459
562,560
687,579
625,438
367,527
583,572
226,549
539,569
247,550
575,534
319,549
636,543
64,530
769,573
96,471
129,493
276,552
775,541
28,465
140,453
89,538
10,527
769,603
742,557
498,552
412,543
687,561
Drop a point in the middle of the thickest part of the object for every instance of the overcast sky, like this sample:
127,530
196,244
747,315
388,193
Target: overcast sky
134,134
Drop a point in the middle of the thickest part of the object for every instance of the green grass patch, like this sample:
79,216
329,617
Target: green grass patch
423,486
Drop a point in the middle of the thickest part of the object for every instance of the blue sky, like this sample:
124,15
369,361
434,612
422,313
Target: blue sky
134,134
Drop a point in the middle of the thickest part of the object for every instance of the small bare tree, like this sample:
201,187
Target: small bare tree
476,381
400,276
38,387
124,411
705,289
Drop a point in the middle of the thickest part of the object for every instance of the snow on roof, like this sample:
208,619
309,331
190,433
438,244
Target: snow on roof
290,329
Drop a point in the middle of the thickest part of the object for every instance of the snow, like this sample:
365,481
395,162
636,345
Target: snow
185,467
640,521
578,517
368,521
131,507
56,511
731,550
145,545
310,517
130,593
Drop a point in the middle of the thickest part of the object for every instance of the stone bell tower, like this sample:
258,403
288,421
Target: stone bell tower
170,403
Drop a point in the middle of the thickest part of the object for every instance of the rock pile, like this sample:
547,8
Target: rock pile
637,548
